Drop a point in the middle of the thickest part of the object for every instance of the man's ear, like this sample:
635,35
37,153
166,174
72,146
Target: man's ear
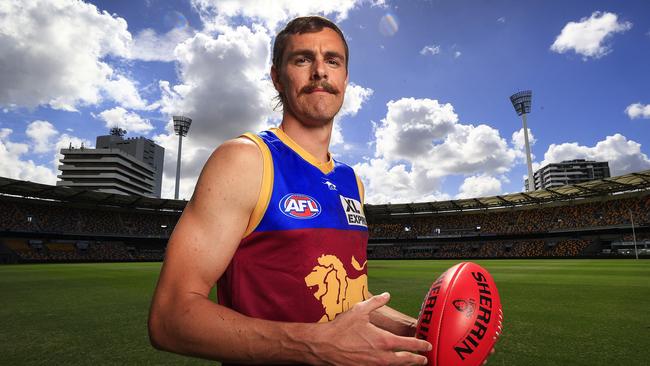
275,76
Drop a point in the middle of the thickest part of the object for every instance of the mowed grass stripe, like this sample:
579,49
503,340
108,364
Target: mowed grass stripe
557,312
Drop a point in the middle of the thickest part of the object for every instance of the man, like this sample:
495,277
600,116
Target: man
279,224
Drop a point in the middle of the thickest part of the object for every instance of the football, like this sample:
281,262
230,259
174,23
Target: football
461,316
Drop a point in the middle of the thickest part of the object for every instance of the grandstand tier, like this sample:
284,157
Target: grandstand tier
606,218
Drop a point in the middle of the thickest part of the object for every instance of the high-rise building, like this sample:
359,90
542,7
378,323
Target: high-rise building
116,165
570,172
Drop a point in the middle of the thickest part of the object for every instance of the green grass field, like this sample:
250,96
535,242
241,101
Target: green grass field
557,312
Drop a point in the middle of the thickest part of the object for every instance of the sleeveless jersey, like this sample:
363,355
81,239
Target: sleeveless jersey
303,256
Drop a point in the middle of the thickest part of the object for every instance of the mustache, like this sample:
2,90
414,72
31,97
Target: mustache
322,85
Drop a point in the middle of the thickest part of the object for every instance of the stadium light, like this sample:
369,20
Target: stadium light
522,102
636,253
181,127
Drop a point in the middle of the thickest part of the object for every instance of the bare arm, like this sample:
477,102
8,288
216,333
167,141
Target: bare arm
184,320
394,321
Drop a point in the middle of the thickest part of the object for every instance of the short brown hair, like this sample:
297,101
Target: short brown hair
300,25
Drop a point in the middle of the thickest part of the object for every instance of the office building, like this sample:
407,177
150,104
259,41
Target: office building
570,172
116,165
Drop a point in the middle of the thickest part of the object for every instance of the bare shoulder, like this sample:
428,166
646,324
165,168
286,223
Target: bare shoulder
233,152
233,155
239,146
234,167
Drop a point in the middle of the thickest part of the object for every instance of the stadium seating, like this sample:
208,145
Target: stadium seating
587,215
485,249
36,230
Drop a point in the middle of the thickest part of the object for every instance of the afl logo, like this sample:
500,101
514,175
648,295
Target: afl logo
299,206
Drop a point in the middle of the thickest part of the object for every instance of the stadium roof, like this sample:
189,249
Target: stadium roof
28,189
639,181
625,183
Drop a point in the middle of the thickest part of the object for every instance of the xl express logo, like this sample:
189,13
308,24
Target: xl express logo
299,206
353,211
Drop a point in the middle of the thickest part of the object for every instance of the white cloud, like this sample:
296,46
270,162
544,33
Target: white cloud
130,121
53,54
355,97
457,54
624,156
519,143
225,88
13,166
472,149
419,143
518,139
587,37
501,20
386,182
479,186
225,83
638,110
216,13
124,91
43,136
430,50
40,132
411,125
150,46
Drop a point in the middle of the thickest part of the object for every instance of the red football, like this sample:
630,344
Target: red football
461,316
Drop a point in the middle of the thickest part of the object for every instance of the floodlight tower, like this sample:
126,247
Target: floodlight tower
181,126
522,101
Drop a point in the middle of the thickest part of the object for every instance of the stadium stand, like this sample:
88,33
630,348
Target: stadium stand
41,223
611,211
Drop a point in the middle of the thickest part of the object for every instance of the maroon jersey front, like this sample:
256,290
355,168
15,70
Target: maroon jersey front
303,258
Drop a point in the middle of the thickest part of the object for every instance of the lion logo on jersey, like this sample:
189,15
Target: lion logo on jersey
336,291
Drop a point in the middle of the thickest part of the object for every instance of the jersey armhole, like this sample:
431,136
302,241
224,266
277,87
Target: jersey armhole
361,191
267,184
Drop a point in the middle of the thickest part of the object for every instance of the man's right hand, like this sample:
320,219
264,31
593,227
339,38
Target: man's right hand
351,339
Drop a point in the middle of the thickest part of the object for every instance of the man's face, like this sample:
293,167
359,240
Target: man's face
313,76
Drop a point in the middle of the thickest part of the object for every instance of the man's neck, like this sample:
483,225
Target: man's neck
314,139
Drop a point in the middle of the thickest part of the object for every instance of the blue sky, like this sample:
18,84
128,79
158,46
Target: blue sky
426,117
